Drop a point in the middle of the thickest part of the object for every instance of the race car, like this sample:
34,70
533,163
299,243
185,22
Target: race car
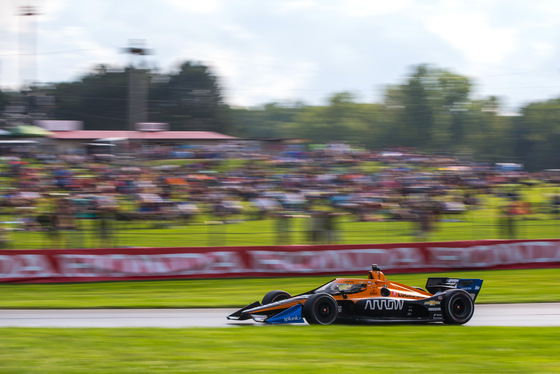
371,300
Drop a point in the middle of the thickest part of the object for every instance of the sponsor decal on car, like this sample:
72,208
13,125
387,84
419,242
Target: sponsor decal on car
405,295
384,304
432,302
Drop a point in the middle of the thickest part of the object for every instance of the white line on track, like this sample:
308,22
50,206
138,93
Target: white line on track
541,314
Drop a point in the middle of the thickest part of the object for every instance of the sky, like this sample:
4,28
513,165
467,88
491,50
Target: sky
293,50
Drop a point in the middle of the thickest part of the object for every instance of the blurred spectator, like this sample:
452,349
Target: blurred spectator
318,183
105,208
188,211
507,221
555,203
64,222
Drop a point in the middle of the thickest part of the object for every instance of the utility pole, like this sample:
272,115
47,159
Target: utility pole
137,86
30,52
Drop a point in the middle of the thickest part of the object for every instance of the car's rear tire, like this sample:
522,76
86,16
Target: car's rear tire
457,307
274,296
320,309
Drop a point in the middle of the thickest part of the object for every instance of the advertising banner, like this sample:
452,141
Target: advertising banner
109,264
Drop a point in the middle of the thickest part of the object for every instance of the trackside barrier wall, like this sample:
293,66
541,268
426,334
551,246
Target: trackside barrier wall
110,264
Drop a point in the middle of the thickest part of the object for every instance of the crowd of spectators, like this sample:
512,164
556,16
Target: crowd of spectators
51,193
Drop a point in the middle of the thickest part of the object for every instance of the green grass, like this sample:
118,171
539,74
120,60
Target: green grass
282,349
500,286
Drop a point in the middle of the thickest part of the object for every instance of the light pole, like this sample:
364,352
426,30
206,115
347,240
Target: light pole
137,87
24,12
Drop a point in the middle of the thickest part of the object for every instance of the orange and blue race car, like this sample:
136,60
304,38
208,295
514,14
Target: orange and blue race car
371,300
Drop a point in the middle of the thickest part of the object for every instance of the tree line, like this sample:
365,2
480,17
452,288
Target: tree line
432,110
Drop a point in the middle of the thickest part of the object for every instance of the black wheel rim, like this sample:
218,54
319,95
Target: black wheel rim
459,307
324,310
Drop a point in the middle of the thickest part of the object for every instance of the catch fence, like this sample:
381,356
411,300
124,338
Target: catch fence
280,230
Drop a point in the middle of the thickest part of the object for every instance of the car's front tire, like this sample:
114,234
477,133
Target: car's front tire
274,296
457,307
320,309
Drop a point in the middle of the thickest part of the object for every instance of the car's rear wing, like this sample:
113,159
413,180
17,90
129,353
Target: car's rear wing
472,286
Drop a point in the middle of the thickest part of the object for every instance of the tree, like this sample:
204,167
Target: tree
537,135
341,120
490,134
429,108
190,99
418,111
271,120
3,101
98,99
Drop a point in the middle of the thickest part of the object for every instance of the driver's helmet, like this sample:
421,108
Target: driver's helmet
349,287
335,287
358,287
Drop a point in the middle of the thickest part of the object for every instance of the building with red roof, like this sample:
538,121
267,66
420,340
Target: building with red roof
166,136
67,140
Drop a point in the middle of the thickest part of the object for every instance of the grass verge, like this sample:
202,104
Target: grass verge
282,349
500,286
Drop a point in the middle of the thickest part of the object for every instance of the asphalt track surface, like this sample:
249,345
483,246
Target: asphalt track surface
541,314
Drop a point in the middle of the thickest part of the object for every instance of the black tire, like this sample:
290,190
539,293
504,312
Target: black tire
274,296
320,309
457,307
